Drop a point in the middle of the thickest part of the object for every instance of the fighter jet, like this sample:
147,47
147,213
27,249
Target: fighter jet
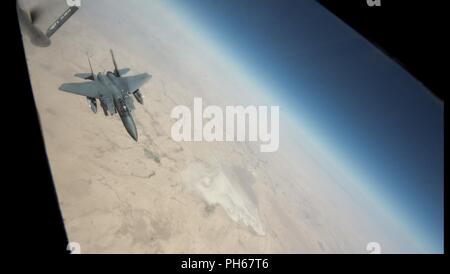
114,91
27,20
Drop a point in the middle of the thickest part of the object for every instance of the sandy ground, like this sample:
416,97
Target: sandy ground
160,196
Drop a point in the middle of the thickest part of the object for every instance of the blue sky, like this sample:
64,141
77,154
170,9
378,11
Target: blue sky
377,118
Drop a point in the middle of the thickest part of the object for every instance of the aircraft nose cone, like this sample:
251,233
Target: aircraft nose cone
133,133
129,124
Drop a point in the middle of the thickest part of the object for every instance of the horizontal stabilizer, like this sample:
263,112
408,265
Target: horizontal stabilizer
85,76
124,71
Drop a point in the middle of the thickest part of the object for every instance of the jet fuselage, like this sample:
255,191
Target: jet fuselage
120,97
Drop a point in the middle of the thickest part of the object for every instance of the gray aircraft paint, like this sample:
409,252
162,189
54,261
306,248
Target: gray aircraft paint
114,91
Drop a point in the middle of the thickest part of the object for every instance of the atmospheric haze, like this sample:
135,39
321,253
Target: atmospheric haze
162,196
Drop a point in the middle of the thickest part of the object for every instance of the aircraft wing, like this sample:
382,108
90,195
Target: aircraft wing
87,89
133,83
